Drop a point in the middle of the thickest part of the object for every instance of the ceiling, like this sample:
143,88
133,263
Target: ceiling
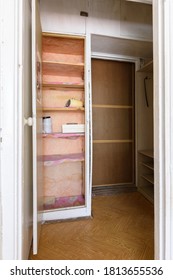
121,46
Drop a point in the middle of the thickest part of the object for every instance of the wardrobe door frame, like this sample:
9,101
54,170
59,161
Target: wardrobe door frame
163,128
137,63
81,211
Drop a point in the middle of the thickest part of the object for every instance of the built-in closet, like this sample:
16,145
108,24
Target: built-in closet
145,152
96,104
64,104
113,124
65,150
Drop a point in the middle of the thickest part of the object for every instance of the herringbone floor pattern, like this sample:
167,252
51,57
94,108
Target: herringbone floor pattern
121,229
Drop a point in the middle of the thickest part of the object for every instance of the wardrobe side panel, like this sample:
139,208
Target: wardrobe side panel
144,117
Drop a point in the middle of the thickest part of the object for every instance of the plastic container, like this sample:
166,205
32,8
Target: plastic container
47,124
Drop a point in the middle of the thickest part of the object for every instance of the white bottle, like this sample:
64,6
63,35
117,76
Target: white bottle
47,124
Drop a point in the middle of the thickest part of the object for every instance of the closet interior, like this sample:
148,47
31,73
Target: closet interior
98,104
113,123
64,108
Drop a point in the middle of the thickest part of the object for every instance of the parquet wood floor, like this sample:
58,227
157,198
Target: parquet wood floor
122,228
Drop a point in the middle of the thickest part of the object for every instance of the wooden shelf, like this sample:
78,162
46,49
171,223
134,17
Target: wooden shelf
63,109
148,192
149,165
52,160
149,178
147,67
59,63
112,106
62,68
112,141
146,180
65,86
148,153
62,135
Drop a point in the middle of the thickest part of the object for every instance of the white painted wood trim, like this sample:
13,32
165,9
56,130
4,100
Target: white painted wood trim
19,127
83,211
68,213
116,57
163,128
88,116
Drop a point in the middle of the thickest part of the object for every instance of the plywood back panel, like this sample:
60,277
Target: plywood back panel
59,98
112,163
63,49
63,146
63,180
112,82
112,124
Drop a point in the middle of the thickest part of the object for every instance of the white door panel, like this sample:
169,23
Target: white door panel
37,124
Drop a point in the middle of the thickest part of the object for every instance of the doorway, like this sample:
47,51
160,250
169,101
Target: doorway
113,124
163,158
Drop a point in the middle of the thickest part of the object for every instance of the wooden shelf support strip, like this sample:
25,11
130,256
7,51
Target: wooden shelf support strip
62,135
52,160
112,141
64,109
112,106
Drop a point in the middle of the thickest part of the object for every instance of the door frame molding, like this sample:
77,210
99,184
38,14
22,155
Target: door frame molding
163,133
163,127
136,61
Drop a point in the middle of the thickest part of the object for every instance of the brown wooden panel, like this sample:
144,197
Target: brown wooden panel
113,89
112,82
112,124
112,163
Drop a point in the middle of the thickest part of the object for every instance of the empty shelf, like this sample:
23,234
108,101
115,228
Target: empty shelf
147,67
63,85
149,178
63,109
51,160
62,135
148,153
150,165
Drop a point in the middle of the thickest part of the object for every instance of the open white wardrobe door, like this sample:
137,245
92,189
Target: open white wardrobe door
37,123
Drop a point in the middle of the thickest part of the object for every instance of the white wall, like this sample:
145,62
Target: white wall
117,18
